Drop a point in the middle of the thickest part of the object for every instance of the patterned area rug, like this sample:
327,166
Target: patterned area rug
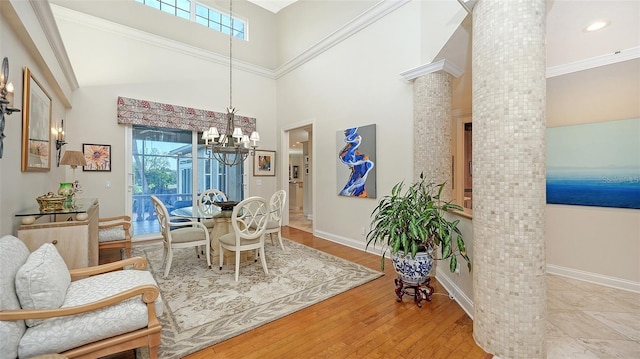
206,306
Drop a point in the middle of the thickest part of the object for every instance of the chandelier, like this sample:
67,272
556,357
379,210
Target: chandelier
231,147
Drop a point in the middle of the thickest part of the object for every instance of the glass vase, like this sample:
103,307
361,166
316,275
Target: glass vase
66,189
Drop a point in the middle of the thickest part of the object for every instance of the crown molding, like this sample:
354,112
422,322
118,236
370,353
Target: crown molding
365,19
44,14
442,65
597,61
155,40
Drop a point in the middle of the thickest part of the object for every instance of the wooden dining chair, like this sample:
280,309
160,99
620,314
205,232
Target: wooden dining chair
249,220
207,207
274,225
179,234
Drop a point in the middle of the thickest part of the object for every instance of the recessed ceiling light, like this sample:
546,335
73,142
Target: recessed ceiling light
597,25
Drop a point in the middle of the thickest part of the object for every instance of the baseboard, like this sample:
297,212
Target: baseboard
455,292
349,242
594,278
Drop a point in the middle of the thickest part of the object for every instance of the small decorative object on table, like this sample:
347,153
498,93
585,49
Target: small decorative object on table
226,206
66,190
51,202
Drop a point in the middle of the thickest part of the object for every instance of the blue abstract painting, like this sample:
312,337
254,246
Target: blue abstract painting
594,164
356,170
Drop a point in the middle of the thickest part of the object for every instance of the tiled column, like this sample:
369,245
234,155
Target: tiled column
432,128
509,288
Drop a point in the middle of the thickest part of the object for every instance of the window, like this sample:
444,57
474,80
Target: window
202,15
162,161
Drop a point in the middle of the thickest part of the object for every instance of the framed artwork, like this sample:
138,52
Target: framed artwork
98,157
595,164
36,125
264,163
356,162
295,171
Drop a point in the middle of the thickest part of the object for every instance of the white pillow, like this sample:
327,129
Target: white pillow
42,282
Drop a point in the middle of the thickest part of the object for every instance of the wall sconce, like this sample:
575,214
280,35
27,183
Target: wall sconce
60,141
6,99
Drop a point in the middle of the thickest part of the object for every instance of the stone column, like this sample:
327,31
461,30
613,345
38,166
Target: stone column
432,128
509,84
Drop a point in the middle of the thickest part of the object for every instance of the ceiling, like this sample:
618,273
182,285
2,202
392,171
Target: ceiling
273,5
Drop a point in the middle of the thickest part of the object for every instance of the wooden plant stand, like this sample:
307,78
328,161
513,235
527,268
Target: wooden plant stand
420,291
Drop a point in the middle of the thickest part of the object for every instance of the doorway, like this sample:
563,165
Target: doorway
300,179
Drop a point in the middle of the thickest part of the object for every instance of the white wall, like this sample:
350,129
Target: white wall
259,49
594,243
356,83
18,190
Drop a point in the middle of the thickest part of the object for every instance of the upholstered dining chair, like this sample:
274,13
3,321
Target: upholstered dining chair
179,234
113,232
249,220
207,208
274,225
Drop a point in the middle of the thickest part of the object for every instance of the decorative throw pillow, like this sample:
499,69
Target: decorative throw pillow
13,254
42,282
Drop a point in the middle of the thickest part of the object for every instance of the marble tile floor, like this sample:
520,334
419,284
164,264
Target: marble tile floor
298,220
587,321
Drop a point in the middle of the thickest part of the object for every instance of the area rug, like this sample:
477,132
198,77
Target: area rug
205,306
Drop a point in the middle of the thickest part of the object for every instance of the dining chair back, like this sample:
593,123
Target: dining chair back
207,198
274,225
249,221
179,234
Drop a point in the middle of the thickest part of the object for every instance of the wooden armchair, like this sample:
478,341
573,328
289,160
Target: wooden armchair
113,232
103,310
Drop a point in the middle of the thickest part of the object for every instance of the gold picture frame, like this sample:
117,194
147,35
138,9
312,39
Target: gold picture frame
36,125
264,163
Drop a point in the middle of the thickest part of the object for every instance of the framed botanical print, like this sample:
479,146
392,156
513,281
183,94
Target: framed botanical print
98,157
264,163
36,125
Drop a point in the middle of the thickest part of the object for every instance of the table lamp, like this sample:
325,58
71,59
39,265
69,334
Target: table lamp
73,159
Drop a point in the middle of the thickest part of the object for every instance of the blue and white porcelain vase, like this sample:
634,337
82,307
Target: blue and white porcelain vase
413,270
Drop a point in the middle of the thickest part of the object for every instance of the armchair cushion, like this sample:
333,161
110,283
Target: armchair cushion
111,234
13,254
63,333
42,282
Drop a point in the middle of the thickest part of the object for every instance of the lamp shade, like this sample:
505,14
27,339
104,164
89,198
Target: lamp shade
73,159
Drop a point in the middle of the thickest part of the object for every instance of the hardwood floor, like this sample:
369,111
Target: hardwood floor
365,322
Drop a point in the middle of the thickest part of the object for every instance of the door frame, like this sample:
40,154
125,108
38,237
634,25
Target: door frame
284,169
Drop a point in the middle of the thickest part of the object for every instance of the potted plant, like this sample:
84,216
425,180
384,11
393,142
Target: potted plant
411,225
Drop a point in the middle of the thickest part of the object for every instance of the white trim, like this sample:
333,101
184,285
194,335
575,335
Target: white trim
155,40
455,292
363,20
596,278
48,23
349,242
597,61
284,148
441,65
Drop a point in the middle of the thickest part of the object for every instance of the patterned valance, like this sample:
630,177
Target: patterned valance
155,114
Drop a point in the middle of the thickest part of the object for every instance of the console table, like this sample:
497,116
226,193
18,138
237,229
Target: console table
74,231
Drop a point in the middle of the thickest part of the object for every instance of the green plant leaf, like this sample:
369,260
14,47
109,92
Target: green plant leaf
453,263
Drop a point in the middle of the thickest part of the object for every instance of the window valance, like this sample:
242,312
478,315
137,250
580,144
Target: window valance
155,114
